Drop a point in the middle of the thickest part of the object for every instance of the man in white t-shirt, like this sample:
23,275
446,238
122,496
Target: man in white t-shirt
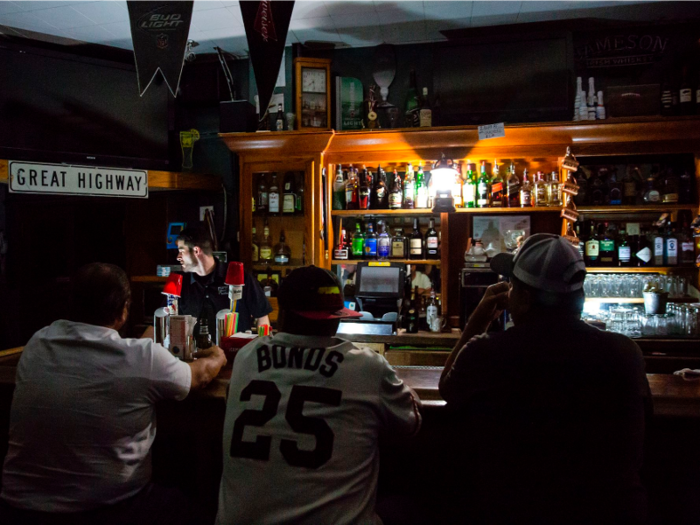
83,415
304,413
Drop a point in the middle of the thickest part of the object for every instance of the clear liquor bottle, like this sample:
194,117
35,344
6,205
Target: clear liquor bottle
289,198
261,204
651,194
274,195
409,188
540,191
383,242
266,245
456,190
526,191
554,190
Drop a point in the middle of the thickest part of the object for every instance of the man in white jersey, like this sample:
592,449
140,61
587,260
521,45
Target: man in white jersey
304,414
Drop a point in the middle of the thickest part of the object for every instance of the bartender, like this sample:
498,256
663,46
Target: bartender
420,280
204,291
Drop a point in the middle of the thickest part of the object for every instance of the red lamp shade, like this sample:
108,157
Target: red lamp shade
173,286
234,275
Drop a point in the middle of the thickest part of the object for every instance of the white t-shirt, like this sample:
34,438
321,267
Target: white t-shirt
421,281
300,436
83,417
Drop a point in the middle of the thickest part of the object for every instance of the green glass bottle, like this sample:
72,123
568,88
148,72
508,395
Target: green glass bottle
470,186
358,243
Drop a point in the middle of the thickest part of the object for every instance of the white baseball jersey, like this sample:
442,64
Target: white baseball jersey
301,432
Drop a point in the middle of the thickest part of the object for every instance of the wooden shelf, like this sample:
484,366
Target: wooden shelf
636,209
262,267
352,213
434,262
499,211
635,269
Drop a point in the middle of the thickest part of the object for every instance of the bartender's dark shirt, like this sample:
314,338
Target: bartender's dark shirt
207,295
554,413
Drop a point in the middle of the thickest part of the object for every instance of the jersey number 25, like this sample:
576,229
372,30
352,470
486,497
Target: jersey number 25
260,448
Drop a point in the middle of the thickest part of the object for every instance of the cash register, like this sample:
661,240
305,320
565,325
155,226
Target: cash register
379,290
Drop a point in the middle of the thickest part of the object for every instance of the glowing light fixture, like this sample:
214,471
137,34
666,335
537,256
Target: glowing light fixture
444,173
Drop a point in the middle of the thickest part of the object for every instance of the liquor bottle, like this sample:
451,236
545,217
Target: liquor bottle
203,339
431,310
607,254
671,247
497,190
600,113
591,102
254,248
289,198
581,198
358,243
658,244
597,187
261,205
651,194
266,245
581,240
283,253
363,190
421,188
666,97
432,242
685,240
624,252
380,193
426,113
685,95
554,190
592,248
685,183
456,189
615,189
341,252
482,188
370,248
629,187
669,192
416,242
644,254
299,202
540,193
383,242
269,285
469,189
412,314
396,195
513,188
409,189
351,191
399,246
279,120
525,192
412,102
274,196
339,189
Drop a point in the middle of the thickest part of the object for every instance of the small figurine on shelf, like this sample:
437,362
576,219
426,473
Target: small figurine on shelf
370,105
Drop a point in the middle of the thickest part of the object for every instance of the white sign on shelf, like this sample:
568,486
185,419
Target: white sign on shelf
492,131
27,177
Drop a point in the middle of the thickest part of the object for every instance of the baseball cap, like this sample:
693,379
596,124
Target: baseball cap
313,293
545,261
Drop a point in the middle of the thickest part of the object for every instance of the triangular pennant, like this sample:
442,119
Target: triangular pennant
266,25
159,31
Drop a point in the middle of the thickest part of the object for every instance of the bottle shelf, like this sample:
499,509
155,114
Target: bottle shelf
434,262
499,211
636,209
280,215
355,213
635,300
263,267
636,269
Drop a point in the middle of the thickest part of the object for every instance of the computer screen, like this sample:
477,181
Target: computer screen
379,281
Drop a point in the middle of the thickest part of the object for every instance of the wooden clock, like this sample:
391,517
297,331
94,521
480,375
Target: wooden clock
312,93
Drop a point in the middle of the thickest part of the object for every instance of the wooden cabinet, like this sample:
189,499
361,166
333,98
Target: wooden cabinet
535,146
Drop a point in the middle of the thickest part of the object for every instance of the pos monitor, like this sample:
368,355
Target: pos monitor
379,281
